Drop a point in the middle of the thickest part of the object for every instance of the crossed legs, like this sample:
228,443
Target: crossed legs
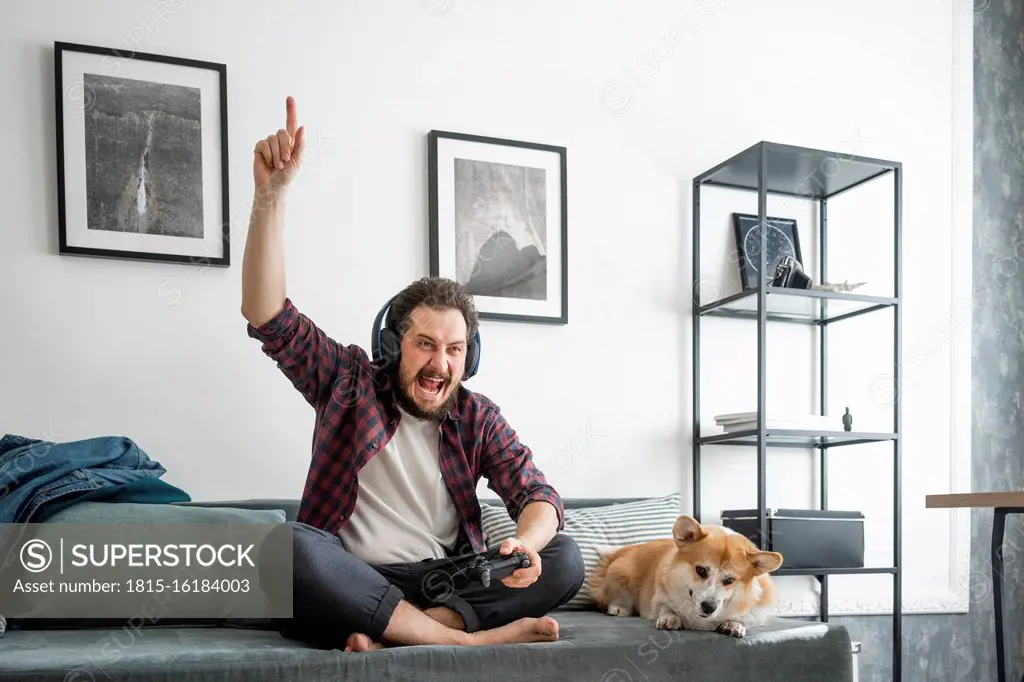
340,601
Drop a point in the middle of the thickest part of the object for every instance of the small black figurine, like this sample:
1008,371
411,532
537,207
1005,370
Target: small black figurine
847,420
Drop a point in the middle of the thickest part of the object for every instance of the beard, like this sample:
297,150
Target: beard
407,401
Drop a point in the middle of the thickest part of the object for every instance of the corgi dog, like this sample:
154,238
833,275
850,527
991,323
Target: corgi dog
705,578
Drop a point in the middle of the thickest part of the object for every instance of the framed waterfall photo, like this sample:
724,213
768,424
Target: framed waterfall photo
498,224
142,156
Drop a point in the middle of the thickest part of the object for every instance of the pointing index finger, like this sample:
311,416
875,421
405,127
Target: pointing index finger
292,116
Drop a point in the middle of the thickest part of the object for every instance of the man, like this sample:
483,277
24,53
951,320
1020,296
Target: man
389,512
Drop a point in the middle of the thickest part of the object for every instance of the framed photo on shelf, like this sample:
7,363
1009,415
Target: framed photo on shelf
142,156
498,224
783,239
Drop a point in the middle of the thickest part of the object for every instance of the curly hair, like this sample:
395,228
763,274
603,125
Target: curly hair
438,293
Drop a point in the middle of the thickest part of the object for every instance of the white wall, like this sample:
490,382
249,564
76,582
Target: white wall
91,347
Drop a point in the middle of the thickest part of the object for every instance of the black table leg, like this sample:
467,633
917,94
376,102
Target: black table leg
998,530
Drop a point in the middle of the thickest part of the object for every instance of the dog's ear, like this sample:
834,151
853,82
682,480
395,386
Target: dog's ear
764,562
686,530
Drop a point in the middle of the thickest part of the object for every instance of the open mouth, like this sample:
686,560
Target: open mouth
431,386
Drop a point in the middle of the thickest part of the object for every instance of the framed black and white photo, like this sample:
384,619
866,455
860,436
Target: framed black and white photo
782,240
142,156
498,224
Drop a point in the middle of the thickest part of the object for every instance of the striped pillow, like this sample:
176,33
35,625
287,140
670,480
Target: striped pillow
613,525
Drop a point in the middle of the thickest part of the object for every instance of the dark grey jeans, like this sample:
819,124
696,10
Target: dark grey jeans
336,593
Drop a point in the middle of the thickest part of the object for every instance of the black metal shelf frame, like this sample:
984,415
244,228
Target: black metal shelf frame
813,174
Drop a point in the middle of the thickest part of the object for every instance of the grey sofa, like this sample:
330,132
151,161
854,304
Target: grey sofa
592,646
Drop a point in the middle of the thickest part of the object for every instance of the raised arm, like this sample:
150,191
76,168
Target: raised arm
276,161
305,353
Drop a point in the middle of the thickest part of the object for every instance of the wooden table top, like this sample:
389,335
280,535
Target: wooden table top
1008,498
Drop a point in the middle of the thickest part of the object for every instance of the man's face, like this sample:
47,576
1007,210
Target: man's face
433,361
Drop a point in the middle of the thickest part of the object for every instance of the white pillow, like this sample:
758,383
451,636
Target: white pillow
613,525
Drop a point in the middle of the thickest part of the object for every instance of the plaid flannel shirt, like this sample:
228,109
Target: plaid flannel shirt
356,416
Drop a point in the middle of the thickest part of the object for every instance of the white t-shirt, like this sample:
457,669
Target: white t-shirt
403,511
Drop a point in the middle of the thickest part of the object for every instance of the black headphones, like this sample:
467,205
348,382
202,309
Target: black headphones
386,345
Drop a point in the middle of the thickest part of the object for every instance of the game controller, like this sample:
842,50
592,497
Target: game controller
493,565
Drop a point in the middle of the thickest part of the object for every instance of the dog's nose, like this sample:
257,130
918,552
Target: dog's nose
707,607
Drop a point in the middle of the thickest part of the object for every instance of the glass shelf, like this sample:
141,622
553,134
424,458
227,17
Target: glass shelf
833,571
807,306
796,171
796,438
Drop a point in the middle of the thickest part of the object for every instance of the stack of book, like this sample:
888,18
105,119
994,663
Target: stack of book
747,421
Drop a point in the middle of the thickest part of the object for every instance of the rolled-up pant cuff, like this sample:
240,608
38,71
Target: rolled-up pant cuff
471,622
385,609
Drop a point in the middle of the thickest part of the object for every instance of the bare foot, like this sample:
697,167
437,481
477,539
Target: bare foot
360,642
447,617
523,630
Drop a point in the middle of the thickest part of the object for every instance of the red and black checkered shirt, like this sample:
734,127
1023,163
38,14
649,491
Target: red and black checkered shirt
356,416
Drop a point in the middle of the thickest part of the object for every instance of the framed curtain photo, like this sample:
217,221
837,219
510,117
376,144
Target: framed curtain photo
498,224
142,156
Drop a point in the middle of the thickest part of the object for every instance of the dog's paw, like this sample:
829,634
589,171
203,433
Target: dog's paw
669,622
733,629
616,610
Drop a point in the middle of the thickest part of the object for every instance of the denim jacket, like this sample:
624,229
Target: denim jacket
39,477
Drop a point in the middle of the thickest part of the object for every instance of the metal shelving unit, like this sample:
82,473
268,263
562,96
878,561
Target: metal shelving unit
819,175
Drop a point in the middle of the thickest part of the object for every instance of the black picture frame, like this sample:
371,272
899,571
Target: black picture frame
498,223
747,232
142,156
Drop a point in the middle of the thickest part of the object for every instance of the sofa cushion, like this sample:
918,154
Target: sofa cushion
610,525
290,506
139,512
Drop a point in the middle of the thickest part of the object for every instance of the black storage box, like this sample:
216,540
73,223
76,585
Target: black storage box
806,538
